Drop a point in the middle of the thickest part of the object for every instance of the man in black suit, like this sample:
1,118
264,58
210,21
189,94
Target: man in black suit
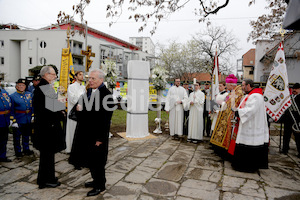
206,113
48,135
289,122
90,144
186,112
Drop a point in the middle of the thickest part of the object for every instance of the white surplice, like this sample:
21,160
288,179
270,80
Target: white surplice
253,127
75,90
220,100
196,115
176,113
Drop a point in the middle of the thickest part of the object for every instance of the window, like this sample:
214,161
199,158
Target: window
43,44
250,72
102,53
2,60
29,44
80,46
1,44
30,60
251,61
43,61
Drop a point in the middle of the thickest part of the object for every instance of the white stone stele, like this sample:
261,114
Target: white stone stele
137,99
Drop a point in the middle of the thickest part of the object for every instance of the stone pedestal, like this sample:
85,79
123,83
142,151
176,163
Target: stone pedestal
137,99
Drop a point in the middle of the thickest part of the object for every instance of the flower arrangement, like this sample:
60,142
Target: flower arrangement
159,77
111,71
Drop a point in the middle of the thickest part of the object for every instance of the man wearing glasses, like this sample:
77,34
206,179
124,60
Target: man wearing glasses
48,135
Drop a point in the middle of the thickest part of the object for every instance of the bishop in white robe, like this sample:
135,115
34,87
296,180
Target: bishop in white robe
196,103
251,151
75,90
175,101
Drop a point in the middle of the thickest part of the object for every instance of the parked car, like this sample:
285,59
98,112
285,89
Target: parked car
10,87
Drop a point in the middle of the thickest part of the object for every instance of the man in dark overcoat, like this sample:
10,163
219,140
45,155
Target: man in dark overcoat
90,144
48,135
289,121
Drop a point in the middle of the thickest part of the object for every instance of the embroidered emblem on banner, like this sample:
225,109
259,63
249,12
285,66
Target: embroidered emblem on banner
278,83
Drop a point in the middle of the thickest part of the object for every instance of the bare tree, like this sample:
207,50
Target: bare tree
146,10
212,39
268,25
197,55
170,58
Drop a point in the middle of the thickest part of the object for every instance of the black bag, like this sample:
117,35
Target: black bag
72,114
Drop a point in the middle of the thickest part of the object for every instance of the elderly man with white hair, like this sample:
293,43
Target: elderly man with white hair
90,145
48,135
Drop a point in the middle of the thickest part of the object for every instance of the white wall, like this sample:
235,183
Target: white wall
293,65
16,52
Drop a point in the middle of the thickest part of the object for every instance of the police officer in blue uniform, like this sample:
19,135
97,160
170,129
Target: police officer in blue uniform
21,110
5,105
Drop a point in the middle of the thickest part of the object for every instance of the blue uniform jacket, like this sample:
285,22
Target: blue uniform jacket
21,108
5,105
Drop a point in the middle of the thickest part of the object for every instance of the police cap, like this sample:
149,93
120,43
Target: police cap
21,80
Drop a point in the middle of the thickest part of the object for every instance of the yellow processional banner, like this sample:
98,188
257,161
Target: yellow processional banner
64,69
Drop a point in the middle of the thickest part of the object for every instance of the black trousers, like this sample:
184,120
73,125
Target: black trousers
186,122
46,172
206,123
3,141
97,162
287,136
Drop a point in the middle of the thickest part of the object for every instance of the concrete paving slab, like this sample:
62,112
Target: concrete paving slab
123,190
113,177
63,167
284,178
143,151
203,174
206,164
13,175
171,171
140,175
199,189
142,170
161,188
126,164
46,193
156,160
277,193
235,196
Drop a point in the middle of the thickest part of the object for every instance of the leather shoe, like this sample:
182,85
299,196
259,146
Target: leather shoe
49,185
89,184
95,192
5,160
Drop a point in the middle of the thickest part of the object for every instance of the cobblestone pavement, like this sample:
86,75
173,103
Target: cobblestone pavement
159,168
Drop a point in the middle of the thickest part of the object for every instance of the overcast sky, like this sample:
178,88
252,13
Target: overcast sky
180,26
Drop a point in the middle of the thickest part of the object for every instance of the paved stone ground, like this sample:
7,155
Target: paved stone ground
158,169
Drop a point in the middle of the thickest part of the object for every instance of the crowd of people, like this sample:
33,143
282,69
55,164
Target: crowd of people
235,121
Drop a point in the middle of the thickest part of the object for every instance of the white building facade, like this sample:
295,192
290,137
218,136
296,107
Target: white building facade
21,50
266,50
145,43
